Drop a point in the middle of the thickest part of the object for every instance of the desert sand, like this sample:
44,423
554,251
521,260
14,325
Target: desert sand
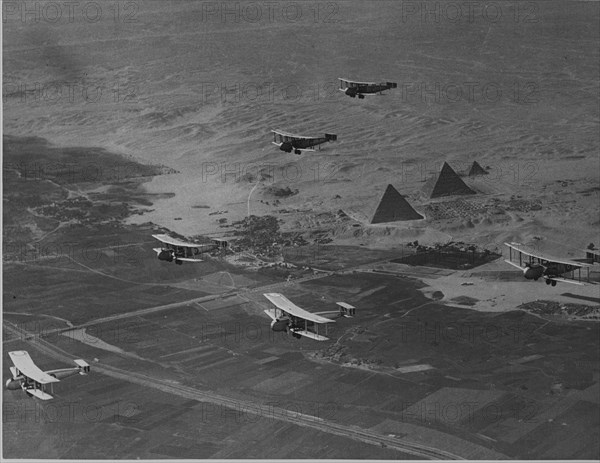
199,91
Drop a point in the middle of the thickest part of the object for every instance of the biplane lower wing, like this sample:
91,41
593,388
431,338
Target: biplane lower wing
514,264
310,334
158,252
38,393
563,280
358,92
283,143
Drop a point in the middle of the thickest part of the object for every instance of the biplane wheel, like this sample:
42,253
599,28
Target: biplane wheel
548,282
298,152
178,262
553,283
362,97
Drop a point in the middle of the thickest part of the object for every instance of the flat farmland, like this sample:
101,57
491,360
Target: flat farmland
462,374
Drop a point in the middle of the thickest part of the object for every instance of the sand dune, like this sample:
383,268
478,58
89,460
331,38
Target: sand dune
200,94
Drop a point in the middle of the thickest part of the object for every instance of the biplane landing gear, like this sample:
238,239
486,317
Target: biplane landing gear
362,97
178,262
297,151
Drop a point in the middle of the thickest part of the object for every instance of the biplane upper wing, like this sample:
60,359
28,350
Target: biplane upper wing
175,242
183,259
280,137
353,82
530,252
290,135
25,365
287,306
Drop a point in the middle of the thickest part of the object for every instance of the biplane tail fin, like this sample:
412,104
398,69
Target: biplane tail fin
331,136
346,310
84,367
392,84
220,243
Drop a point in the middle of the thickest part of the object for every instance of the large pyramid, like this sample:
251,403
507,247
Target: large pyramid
449,183
393,207
476,169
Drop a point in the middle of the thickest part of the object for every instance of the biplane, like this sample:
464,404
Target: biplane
292,319
174,249
27,376
535,266
298,143
360,89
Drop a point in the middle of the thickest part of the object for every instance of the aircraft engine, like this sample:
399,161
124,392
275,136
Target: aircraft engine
286,146
533,272
13,384
165,255
280,325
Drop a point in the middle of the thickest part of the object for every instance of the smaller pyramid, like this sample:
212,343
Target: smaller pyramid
476,169
394,207
449,183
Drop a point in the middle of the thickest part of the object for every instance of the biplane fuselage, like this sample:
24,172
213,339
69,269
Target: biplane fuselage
289,142
173,249
287,316
546,269
360,89
535,266
28,377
